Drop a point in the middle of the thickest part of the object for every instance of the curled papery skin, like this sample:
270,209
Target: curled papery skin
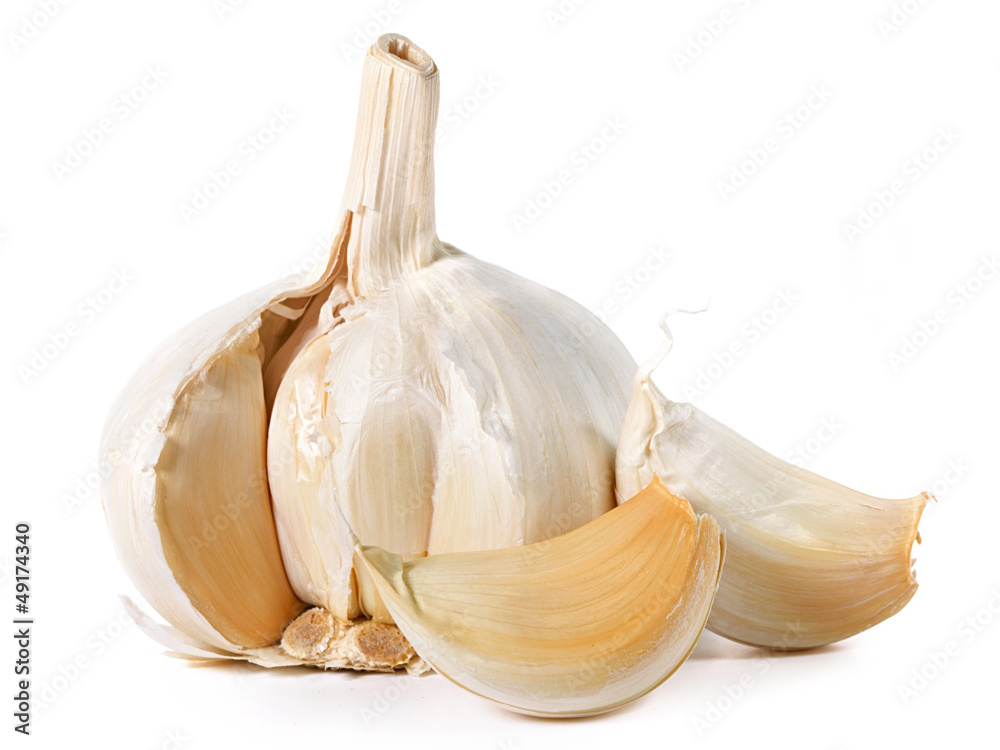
808,561
441,403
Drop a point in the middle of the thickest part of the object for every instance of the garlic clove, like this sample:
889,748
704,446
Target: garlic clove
184,540
216,529
315,546
808,561
573,626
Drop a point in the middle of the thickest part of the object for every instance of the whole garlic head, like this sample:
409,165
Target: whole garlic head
411,458
408,397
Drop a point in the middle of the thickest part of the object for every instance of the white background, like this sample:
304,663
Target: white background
929,422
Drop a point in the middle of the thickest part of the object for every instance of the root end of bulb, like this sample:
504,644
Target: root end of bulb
318,638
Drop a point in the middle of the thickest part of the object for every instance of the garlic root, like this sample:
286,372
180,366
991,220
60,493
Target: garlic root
317,637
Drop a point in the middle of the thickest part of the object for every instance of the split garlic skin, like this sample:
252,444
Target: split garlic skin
808,562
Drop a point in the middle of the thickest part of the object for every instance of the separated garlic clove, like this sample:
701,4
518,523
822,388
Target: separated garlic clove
808,561
576,625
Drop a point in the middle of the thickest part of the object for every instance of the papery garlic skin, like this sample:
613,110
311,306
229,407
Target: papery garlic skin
450,405
808,561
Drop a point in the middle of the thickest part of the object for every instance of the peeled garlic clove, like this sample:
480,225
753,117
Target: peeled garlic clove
576,625
808,561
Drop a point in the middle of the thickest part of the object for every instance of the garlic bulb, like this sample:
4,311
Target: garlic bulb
394,463
808,561
407,394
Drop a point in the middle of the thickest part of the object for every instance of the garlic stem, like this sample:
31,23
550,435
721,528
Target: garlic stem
390,184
